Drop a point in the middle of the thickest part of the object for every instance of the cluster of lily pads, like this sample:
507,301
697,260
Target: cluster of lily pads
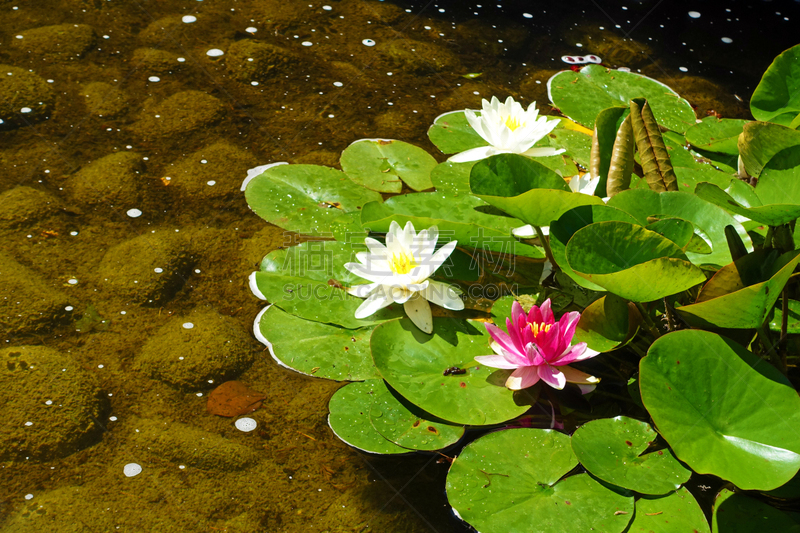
666,245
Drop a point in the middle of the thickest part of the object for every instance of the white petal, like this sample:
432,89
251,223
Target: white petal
442,295
430,265
375,247
367,273
419,311
544,151
524,232
475,154
401,295
362,291
377,301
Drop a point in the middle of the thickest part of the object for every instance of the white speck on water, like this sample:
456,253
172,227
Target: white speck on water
181,59
123,312
204,161
25,110
158,270
134,213
727,40
245,424
307,43
196,270
132,469
368,42
215,52
28,423
253,83
211,183
49,402
29,496
72,281
199,394
327,8
251,29
579,45
154,79
188,325
112,418
338,84
100,366
19,36
182,467
188,19
68,308
694,14
527,15
683,69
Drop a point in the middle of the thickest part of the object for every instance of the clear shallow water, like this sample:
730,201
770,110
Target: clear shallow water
120,186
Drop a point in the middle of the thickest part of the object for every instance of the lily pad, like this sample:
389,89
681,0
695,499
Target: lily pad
305,198
779,182
717,135
777,96
508,480
760,141
723,410
315,260
407,425
414,364
582,95
612,449
451,133
631,261
381,164
349,418
792,322
772,214
737,513
316,349
452,179
604,324
525,189
677,512
578,145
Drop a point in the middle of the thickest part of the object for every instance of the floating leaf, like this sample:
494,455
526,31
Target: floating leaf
737,513
777,96
451,133
677,230
349,418
677,512
407,425
582,95
604,324
723,410
233,398
792,321
508,480
773,215
612,449
779,182
305,198
652,151
717,135
577,144
630,261
315,260
380,164
760,141
316,349
414,364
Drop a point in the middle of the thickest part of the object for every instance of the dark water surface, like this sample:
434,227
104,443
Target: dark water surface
125,242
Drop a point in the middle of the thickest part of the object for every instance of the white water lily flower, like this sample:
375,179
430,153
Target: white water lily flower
399,273
509,129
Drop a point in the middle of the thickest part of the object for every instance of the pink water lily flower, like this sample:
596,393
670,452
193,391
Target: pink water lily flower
537,347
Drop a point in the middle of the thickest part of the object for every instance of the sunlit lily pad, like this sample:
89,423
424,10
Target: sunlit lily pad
578,145
792,320
777,96
677,512
508,480
316,260
306,198
723,410
738,513
451,133
407,425
779,182
316,349
349,418
755,209
760,141
381,164
415,363
582,95
631,261
604,324
717,135
613,449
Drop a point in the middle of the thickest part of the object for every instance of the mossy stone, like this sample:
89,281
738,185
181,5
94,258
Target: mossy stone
151,61
24,97
50,404
104,99
183,112
149,269
250,60
113,180
29,304
62,42
213,172
23,207
186,445
418,57
197,351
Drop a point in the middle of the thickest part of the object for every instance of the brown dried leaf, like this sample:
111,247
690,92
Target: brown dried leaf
233,398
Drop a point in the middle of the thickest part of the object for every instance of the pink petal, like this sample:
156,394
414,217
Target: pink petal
552,376
522,378
576,376
516,310
534,356
495,361
500,337
547,313
513,334
568,324
549,343
579,352
535,315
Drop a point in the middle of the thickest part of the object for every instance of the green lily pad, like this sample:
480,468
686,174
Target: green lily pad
414,363
612,450
747,305
305,198
604,324
717,135
318,301
349,418
689,178
525,189
631,261
773,214
582,95
792,322
407,425
381,164
315,260
677,230
760,141
508,480
316,349
451,133
779,182
737,513
777,96
677,512
723,410
452,179
578,145
709,220
562,230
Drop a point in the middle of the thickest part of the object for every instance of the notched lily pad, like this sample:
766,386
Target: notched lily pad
677,512
381,164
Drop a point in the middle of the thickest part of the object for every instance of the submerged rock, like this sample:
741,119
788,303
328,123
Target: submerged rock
62,42
153,61
183,112
113,180
197,351
418,57
25,206
104,99
213,172
24,97
51,406
149,269
250,60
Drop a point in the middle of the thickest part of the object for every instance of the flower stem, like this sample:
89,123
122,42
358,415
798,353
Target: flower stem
648,322
546,245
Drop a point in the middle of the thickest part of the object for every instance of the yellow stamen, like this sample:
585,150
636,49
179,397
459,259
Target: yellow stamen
513,123
537,328
403,263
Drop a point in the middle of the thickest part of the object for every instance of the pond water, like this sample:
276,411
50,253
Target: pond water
125,242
